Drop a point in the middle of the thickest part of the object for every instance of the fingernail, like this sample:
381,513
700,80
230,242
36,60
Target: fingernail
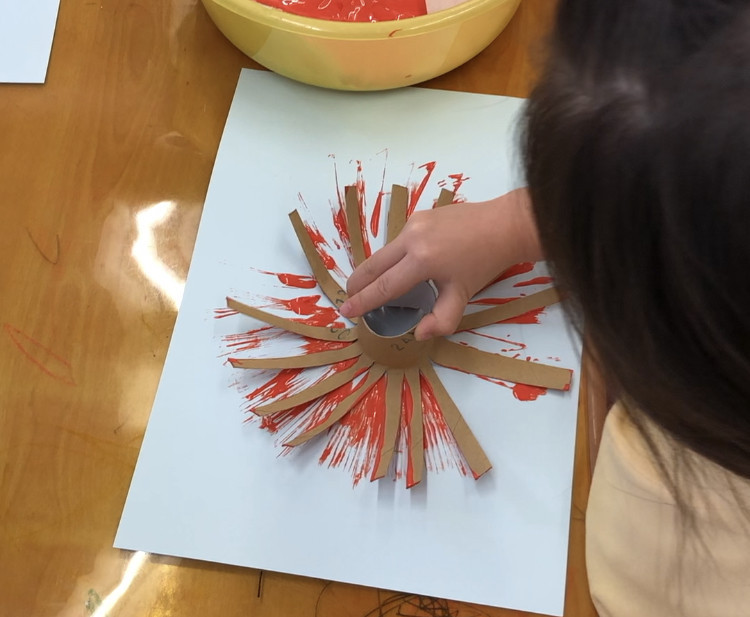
345,309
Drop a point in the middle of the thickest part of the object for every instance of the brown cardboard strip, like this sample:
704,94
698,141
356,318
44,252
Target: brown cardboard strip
397,211
416,431
304,361
324,386
465,439
375,373
327,283
354,224
393,390
511,309
445,198
471,360
317,332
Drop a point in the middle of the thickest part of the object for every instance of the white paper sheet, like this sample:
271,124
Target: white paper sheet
27,28
208,486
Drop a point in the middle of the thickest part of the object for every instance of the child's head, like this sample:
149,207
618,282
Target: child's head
638,164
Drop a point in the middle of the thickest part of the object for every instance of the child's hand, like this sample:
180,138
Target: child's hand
459,247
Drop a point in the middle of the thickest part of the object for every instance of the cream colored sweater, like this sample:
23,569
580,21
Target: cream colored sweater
642,559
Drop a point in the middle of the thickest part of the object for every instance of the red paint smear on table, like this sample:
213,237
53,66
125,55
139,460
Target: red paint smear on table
530,317
539,280
415,193
220,313
338,212
457,181
377,209
439,442
308,307
43,358
352,10
356,440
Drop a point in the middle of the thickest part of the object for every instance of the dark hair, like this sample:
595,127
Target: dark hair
637,154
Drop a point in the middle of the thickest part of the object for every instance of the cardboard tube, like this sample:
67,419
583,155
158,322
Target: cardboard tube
316,390
322,275
415,464
465,439
471,360
445,198
375,373
354,224
400,351
317,332
320,358
511,309
397,211
393,391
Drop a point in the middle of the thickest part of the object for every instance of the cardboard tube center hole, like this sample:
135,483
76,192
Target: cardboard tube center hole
402,314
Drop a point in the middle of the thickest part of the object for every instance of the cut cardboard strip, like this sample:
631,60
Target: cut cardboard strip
353,224
317,332
324,386
322,275
509,310
393,390
471,360
320,358
415,465
445,198
465,439
375,373
397,211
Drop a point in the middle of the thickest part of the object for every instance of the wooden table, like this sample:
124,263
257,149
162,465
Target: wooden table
134,105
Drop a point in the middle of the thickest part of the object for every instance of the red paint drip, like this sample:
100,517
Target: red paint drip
539,280
415,193
40,356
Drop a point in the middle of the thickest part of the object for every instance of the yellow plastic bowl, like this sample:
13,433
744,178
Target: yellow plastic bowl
361,56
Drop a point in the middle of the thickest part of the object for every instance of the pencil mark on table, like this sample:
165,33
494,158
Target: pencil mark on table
44,255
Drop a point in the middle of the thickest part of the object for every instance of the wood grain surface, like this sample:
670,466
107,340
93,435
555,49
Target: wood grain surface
131,116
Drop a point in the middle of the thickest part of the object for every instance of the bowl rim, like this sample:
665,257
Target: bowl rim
325,28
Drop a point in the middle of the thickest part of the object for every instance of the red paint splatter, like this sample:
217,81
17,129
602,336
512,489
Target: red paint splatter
356,441
415,193
516,345
293,280
539,280
525,392
43,358
320,243
520,268
220,313
376,212
441,451
308,307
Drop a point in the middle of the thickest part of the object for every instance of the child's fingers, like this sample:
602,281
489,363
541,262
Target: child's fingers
374,266
393,282
445,315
